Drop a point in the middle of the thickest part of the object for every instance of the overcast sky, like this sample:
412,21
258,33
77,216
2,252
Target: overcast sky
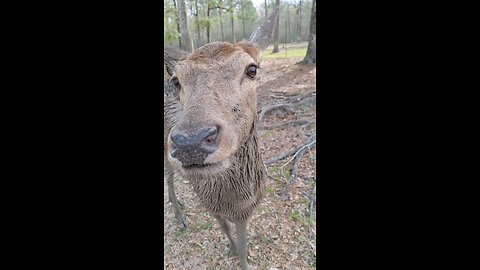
256,3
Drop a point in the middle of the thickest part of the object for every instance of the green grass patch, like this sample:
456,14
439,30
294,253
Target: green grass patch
275,169
265,134
206,225
180,233
291,53
297,217
304,201
301,240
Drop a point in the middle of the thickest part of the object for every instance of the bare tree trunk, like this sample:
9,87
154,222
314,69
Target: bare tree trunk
266,9
243,21
299,21
221,24
185,35
288,37
276,32
311,56
233,20
197,22
208,22
178,24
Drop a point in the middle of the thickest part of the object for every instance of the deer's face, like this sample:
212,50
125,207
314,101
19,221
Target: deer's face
216,92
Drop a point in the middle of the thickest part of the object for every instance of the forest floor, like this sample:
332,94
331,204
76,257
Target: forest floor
282,231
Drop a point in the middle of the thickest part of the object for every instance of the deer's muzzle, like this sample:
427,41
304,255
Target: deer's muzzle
193,150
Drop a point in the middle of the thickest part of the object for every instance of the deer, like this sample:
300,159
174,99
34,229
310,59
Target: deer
210,136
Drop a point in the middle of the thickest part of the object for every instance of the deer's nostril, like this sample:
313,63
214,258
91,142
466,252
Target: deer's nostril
211,138
173,153
178,139
193,148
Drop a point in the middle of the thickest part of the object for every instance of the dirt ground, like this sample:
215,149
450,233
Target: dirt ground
281,233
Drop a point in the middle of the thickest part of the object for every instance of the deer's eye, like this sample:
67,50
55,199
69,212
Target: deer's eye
176,83
251,71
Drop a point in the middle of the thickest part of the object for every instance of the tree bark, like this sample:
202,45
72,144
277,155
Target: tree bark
311,56
233,20
276,32
243,20
221,24
208,22
185,35
197,22
178,24
299,25
266,9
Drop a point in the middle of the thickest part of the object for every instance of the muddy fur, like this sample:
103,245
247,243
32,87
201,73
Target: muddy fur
236,191
233,193
211,88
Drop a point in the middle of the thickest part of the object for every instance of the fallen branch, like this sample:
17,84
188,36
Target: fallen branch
312,197
307,143
287,123
305,100
266,171
298,157
286,106
269,108
275,96
313,122
294,94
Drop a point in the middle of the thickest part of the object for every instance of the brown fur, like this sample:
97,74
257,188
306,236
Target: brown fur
220,51
216,92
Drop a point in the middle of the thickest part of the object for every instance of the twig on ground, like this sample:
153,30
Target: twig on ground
312,198
286,106
295,94
302,99
266,170
308,142
275,96
302,122
268,108
297,157
313,122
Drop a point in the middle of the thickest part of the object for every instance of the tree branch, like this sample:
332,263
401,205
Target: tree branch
287,123
307,143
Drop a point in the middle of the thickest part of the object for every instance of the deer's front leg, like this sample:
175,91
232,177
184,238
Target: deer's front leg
242,243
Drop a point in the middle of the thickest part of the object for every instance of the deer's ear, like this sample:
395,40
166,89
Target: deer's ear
171,57
252,49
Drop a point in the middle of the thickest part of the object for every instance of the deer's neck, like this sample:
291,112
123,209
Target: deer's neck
249,160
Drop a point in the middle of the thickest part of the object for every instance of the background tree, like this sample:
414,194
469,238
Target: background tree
234,20
299,20
197,23
247,15
276,32
266,9
311,56
171,32
184,33
221,24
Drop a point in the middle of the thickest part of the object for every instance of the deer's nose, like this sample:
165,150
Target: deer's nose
192,150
